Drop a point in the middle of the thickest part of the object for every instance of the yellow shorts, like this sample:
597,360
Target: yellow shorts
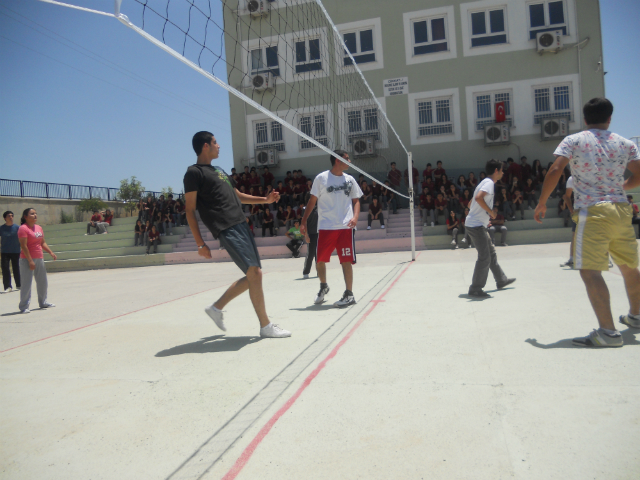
604,229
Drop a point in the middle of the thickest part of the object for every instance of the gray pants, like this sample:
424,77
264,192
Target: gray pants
487,259
498,228
26,276
428,215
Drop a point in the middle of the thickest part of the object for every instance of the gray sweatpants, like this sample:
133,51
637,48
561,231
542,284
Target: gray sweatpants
487,259
26,276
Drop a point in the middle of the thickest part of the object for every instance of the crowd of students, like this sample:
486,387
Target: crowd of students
156,218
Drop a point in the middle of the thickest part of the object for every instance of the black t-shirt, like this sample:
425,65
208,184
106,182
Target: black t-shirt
218,205
312,222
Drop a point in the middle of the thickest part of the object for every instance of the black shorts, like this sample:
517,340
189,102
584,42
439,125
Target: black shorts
241,246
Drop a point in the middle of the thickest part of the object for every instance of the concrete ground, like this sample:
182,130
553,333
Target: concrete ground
127,378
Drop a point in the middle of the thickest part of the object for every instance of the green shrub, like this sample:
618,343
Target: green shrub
67,217
91,205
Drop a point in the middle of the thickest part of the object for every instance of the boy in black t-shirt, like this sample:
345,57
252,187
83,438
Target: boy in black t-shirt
209,190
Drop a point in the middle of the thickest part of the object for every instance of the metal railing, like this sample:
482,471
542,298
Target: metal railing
26,188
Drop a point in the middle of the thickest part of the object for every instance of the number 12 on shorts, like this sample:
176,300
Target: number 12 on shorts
346,252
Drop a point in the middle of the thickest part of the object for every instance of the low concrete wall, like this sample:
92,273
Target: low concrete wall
50,211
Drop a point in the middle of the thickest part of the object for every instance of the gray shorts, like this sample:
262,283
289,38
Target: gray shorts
241,246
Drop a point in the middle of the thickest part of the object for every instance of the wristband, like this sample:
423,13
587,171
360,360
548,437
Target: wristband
201,246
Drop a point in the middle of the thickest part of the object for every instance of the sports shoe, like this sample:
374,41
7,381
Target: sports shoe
432,224
632,321
305,276
320,297
504,245
382,227
424,224
464,240
8,290
47,305
216,316
568,263
597,338
453,242
26,310
369,228
479,294
274,331
508,281
346,300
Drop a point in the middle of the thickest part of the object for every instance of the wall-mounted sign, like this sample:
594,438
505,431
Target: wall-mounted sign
396,86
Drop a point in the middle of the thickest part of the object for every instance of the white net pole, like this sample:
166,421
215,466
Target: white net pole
411,197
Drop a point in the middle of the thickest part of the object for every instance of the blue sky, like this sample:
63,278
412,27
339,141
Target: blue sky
85,100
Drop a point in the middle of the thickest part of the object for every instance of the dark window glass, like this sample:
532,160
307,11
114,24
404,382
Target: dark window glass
366,58
308,67
314,49
478,26
350,42
366,41
436,47
272,56
536,14
556,13
301,52
490,40
496,20
437,29
420,32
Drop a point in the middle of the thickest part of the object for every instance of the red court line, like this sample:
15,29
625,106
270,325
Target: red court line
112,318
251,448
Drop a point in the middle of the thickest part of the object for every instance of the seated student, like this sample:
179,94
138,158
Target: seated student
287,178
96,218
441,209
416,177
284,199
515,184
375,213
254,179
376,190
149,207
257,213
497,225
428,173
444,182
391,197
394,175
300,211
427,208
107,218
465,199
267,222
153,239
296,239
505,203
367,193
517,203
461,184
564,212
294,197
179,213
168,220
438,172
267,177
482,176
472,182
307,191
138,234
445,194
384,196
301,178
290,217
453,227
141,210
267,192
466,240
635,219
299,190
429,184
281,218
529,193
454,199
147,229
250,224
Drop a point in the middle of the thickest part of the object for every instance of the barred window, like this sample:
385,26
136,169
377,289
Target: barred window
434,117
315,127
363,122
551,102
485,110
269,135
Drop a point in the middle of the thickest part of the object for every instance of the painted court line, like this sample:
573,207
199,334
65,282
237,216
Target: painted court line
251,448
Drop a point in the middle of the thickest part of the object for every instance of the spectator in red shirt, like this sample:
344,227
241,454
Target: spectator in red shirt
438,172
529,191
497,225
429,184
428,173
307,193
267,222
297,194
376,190
375,213
394,175
525,168
427,208
444,182
454,199
290,217
281,218
267,177
302,178
257,212
254,179
96,218
107,218
366,193
391,197
453,227
513,170
153,239
517,203
465,199
462,183
472,182
505,205
300,211
441,208
416,177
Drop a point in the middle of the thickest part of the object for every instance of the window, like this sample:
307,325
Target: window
552,101
546,16
485,104
269,135
265,59
360,45
434,117
362,122
308,55
429,36
314,126
488,28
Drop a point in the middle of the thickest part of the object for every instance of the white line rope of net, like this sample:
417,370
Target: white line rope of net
125,21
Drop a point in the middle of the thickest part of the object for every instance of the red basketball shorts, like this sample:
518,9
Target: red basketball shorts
341,240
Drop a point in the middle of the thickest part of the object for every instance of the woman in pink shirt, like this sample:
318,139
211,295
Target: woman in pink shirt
31,263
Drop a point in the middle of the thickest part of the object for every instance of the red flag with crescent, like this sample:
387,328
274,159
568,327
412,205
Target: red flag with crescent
501,115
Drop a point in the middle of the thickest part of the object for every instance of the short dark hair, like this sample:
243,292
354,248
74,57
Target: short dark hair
509,159
199,139
337,153
630,197
597,110
171,195
95,211
491,167
393,163
438,162
24,214
8,212
523,157
428,164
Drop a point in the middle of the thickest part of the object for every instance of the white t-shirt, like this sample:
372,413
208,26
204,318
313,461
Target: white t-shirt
570,183
335,195
478,217
598,159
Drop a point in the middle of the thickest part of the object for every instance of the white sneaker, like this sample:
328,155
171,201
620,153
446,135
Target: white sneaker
382,226
8,290
424,224
320,297
432,224
368,228
216,316
26,310
47,305
274,331
346,300
464,240
453,242
305,276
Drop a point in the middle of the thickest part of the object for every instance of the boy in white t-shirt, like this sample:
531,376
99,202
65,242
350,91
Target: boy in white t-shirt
337,196
480,214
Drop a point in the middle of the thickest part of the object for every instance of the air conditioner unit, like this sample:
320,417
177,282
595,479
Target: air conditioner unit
258,8
266,157
262,81
364,146
554,128
496,134
549,41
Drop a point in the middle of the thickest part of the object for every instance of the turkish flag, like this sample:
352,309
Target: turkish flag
500,113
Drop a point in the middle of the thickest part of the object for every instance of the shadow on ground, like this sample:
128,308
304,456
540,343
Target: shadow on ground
627,335
217,343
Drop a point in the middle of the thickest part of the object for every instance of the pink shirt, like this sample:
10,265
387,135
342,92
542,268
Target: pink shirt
34,240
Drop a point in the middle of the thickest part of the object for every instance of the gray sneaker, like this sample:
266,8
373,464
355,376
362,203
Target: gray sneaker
216,316
274,331
597,338
47,305
632,321
346,300
320,297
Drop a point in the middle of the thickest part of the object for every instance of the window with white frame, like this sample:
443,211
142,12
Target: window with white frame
552,101
488,27
434,117
360,45
315,126
429,35
265,59
308,57
547,16
485,108
269,135
363,122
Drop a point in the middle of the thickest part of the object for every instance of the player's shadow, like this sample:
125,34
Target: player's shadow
315,308
627,336
473,299
302,278
217,343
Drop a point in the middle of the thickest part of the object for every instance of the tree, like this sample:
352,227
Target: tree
91,205
130,192
166,191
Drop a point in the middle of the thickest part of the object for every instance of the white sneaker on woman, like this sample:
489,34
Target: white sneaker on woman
274,331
